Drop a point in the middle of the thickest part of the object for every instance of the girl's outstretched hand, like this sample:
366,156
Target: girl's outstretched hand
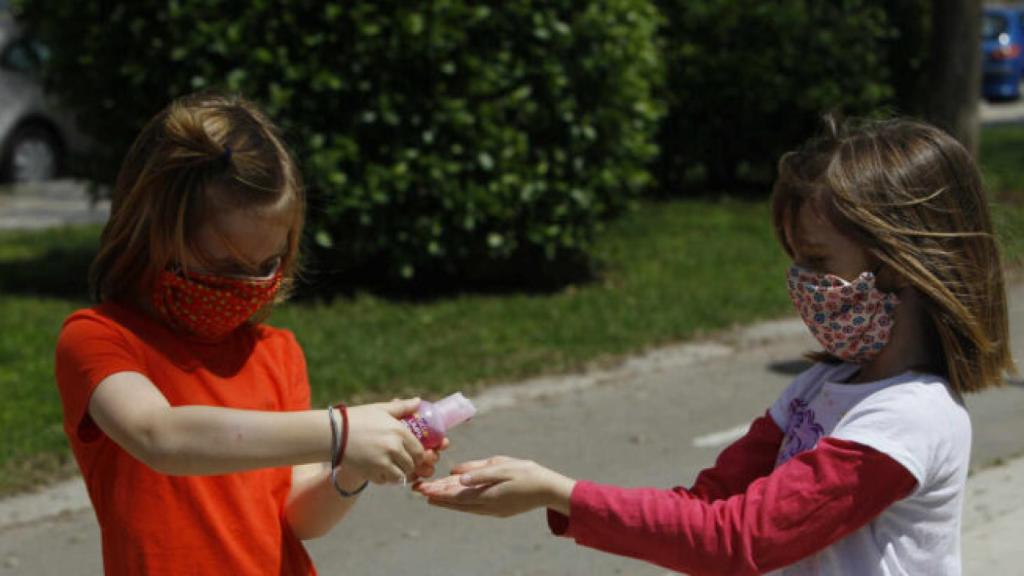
380,447
499,486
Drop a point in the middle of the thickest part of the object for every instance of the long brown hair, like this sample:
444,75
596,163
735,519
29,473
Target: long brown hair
203,152
912,196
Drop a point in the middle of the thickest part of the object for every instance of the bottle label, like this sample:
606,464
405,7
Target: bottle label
423,431
418,427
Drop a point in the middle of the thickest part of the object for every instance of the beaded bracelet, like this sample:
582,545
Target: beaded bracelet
338,451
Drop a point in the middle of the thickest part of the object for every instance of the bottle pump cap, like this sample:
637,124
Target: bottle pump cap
454,410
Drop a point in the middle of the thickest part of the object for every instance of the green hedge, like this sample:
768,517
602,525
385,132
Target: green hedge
471,138
748,80
435,137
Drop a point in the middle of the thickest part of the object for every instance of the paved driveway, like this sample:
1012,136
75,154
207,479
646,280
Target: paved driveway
48,204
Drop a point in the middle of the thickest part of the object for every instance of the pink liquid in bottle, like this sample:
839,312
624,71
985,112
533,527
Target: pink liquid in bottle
433,420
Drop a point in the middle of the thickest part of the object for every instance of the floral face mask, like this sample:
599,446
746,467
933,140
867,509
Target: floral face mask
211,306
852,320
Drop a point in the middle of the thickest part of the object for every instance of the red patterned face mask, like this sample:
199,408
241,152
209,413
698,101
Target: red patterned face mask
208,305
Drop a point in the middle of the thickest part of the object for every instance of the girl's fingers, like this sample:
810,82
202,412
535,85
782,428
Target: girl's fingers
449,484
472,507
391,475
451,490
412,446
400,408
464,467
455,492
486,475
404,462
425,470
474,464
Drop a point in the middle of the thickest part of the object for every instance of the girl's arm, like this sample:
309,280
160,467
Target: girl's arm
207,440
314,506
802,507
742,462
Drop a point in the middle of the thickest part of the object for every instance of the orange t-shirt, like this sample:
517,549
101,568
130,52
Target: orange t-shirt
152,523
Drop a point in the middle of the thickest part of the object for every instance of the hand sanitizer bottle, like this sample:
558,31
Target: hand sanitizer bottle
433,420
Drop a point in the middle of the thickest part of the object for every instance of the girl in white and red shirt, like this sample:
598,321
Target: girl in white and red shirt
860,466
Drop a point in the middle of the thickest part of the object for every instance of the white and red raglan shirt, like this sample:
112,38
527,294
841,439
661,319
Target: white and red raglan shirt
836,478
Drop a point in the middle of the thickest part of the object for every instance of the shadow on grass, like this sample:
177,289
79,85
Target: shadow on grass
58,272
524,274
63,271
1000,162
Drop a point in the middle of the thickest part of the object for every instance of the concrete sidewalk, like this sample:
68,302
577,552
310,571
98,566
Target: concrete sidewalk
50,204
994,520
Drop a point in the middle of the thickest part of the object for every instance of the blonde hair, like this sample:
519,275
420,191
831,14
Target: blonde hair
912,196
201,153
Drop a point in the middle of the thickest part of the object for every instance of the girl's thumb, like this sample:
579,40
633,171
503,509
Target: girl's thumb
402,407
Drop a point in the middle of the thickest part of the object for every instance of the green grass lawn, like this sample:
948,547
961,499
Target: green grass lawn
669,271
1003,170
1003,163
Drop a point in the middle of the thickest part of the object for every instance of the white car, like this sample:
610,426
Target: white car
37,138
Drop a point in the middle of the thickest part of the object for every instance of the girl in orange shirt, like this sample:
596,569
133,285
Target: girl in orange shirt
190,419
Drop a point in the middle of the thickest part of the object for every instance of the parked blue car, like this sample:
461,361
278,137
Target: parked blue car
1002,41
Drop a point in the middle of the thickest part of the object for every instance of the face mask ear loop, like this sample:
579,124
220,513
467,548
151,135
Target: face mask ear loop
877,271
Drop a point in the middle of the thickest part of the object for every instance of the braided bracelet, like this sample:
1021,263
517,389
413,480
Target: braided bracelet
339,455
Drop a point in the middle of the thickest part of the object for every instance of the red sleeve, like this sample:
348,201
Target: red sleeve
88,350
744,461
805,505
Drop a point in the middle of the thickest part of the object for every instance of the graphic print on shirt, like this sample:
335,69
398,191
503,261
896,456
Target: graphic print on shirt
802,431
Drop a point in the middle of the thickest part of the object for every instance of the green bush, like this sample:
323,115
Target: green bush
748,80
433,136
